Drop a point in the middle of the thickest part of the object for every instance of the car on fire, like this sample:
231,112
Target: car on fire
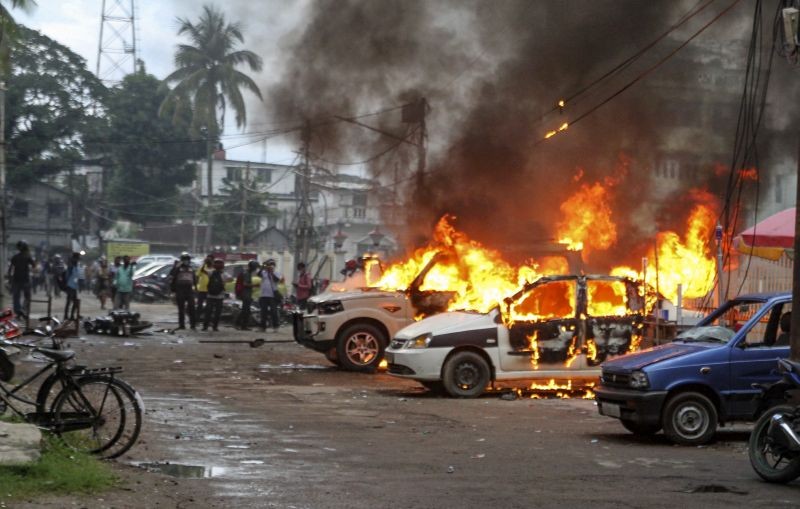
556,328
705,377
353,327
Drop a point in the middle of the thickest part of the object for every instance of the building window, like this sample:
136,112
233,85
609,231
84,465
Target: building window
360,199
233,173
55,209
263,175
359,212
19,208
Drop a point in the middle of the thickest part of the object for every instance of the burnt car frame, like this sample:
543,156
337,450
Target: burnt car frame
558,327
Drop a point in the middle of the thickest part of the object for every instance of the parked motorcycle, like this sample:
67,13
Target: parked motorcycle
774,447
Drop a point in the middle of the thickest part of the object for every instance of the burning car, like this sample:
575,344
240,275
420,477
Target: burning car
352,327
558,327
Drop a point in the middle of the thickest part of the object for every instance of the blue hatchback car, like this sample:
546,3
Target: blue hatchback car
704,377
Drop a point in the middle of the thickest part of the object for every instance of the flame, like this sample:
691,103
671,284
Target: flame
591,350
686,260
533,341
607,298
553,300
587,222
478,276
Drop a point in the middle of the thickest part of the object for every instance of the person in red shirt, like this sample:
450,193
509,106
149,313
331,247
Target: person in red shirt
302,288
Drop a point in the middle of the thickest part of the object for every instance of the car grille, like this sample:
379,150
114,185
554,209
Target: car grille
398,343
399,369
615,379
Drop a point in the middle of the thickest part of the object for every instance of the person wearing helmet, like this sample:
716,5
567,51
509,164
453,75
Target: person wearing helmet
246,295
215,292
19,272
71,287
184,281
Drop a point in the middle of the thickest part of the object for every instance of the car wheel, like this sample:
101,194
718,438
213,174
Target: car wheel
360,348
466,375
689,419
332,357
640,428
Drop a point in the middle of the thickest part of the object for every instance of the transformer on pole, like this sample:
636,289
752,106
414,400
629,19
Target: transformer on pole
116,48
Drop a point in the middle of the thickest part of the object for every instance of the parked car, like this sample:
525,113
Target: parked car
558,327
143,260
352,328
705,377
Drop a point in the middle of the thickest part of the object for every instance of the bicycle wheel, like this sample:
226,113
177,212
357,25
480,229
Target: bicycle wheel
100,415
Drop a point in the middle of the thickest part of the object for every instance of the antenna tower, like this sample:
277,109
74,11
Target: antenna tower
116,49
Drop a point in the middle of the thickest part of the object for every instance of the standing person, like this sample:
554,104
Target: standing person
123,281
71,287
57,274
203,274
81,277
112,272
302,288
215,294
244,290
270,296
103,283
19,271
183,282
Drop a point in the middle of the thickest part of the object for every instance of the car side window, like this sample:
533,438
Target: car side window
772,330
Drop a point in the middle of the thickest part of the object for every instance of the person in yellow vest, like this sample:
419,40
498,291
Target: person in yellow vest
203,274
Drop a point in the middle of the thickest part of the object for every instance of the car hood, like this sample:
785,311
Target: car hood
359,293
638,360
453,321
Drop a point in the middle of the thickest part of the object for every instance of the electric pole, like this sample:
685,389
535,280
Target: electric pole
116,47
3,197
210,189
243,183
305,217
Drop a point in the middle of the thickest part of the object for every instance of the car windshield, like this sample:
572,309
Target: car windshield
712,334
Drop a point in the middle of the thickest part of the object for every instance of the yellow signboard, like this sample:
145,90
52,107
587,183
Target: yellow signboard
132,249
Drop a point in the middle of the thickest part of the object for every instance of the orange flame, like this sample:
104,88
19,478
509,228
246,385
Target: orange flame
587,222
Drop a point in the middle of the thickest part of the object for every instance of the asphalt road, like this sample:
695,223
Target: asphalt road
277,426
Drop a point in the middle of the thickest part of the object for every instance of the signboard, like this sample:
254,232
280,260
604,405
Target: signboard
132,249
235,257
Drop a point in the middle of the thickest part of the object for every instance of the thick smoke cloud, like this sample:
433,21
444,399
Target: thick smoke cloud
492,72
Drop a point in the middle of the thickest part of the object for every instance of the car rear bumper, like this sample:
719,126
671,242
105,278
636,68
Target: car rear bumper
630,405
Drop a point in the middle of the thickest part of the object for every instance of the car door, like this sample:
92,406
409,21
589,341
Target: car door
754,359
544,329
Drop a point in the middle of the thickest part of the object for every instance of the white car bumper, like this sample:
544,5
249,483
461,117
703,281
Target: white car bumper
418,364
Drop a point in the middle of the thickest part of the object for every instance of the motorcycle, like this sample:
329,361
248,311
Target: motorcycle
774,447
150,291
9,328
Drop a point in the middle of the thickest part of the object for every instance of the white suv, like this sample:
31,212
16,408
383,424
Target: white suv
353,328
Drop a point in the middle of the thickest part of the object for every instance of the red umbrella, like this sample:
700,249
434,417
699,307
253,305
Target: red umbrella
771,237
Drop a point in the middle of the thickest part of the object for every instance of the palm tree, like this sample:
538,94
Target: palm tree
206,77
8,25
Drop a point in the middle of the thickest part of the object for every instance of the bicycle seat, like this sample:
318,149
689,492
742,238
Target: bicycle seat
56,355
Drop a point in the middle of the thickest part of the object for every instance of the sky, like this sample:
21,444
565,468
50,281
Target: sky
76,24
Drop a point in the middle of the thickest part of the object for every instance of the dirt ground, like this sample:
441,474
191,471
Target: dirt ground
277,426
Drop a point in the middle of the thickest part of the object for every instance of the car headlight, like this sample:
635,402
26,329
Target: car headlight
421,341
638,380
330,307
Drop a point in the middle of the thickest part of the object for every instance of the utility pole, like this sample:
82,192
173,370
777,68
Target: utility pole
305,218
210,188
415,113
794,328
243,183
3,197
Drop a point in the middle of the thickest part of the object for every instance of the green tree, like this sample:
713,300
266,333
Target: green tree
54,108
228,212
206,77
151,155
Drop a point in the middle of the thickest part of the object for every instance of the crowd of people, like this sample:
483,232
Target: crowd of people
198,292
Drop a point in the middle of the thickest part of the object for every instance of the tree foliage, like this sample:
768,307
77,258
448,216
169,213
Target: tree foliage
53,108
206,77
151,156
8,27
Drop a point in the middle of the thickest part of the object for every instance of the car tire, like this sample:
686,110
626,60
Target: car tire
466,375
360,348
640,428
689,418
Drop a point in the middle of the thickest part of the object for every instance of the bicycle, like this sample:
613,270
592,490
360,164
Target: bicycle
91,410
